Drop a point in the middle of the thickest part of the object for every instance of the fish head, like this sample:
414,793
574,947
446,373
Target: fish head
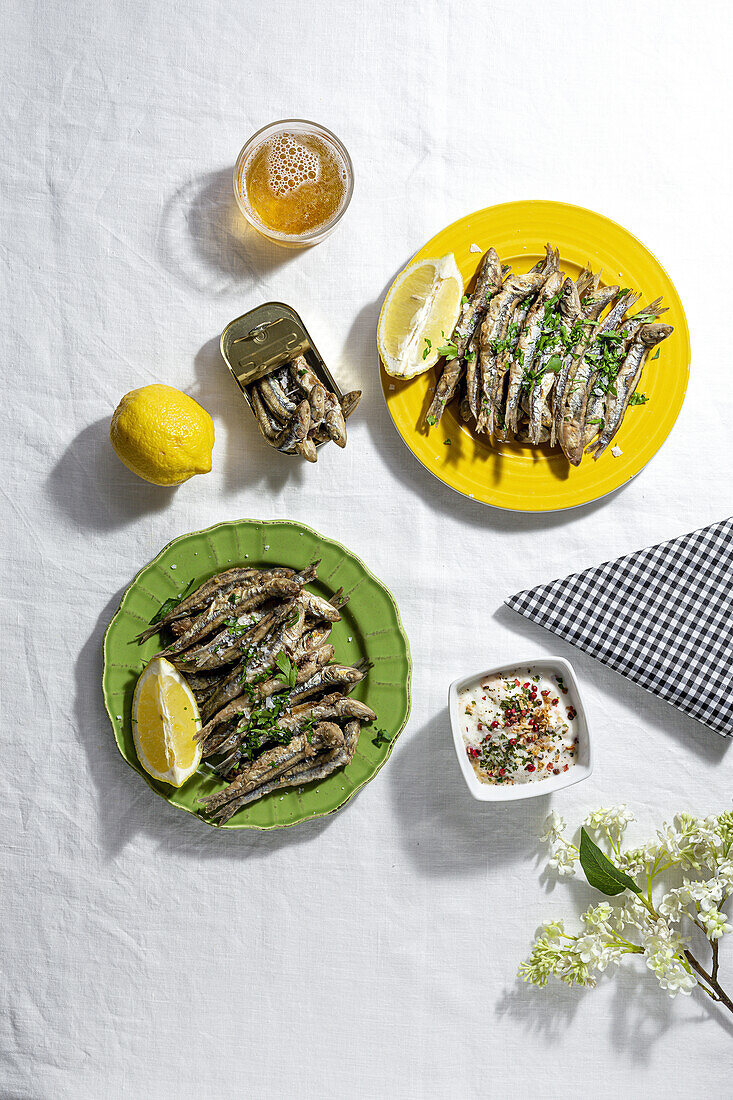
491,270
570,301
651,335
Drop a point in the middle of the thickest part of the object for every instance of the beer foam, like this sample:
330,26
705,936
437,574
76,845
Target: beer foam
290,164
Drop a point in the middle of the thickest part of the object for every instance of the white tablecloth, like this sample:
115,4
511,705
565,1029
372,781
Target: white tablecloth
373,953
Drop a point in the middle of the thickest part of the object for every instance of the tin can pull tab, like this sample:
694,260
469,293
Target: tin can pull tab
265,348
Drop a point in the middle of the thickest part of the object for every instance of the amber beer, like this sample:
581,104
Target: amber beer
293,182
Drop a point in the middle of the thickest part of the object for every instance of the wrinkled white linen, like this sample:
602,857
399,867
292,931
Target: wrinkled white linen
373,953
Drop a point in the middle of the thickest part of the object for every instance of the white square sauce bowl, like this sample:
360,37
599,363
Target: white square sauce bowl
551,667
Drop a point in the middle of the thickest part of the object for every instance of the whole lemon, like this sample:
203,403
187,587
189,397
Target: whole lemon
162,435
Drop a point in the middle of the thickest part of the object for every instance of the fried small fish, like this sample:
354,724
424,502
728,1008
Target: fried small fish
473,308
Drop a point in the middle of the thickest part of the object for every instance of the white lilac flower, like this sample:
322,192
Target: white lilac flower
597,917
706,894
715,923
554,827
614,817
563,860
674,904
677,846
663,948
554,930
636,860
633,913
724,872
599,950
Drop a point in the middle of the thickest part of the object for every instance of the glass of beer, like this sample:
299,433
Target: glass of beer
293,181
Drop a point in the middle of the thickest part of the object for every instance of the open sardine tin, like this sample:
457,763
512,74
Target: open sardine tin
259,342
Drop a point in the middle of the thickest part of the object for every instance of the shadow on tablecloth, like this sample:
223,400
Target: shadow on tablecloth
204,240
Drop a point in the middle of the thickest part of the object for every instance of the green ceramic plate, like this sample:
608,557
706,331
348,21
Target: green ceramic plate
370,627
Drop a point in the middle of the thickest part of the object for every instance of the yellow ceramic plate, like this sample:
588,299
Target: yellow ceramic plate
536,479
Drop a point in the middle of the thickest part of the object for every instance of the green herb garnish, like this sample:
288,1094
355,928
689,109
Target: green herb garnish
638,399
288,671
450,351
170,603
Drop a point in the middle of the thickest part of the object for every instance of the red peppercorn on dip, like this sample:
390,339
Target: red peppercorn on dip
518,727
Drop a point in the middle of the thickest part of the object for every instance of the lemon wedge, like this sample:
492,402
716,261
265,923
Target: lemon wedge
419,315
164,720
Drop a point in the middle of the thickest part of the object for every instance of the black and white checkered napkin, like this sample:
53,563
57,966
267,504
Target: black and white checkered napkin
662,616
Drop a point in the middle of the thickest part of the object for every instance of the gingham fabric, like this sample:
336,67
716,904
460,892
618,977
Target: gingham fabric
661,616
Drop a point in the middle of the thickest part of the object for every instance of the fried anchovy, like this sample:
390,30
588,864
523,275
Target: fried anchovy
276,399
272,764
247,670
349,402
529,340
317,402
595,416
333,754
515,346
627,380
493,332
568,314
201,598
270,427
329,677
231,606
305,772
473,308
318,607
571,398
296,430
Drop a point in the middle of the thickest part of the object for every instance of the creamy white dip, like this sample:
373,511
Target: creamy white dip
518,727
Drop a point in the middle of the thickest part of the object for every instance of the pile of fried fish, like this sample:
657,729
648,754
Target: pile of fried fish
544,358
295,411
253,645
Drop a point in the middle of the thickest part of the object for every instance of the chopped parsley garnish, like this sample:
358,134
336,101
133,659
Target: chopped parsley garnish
288,671
638,399
429,343
450,351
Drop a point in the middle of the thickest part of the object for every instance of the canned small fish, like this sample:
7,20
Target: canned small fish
296,402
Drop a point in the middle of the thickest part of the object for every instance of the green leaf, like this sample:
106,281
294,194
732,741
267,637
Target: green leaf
170,603
656,355
600,872
381,738
450,351
464,300
638,399
288,671
427,349
554,364
432,421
